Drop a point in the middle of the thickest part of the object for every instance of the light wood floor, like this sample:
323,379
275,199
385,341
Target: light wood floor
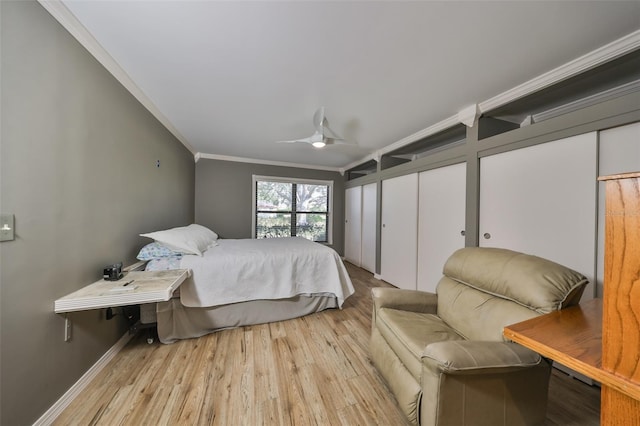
313,370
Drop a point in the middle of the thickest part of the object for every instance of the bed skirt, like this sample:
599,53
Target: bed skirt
176,321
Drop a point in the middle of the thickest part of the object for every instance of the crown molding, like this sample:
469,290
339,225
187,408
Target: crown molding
469,115
431,130
374,156
615,92
201,155
68,20
604,54
590,60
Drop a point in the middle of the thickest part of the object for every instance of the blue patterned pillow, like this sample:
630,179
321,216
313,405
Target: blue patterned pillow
156,250
164,263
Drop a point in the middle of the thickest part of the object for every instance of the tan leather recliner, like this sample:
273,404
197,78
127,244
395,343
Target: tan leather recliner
444,356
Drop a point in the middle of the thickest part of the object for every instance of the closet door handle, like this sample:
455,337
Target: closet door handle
487,235
463,233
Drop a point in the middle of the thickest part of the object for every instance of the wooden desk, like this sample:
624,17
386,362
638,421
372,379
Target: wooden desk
573,337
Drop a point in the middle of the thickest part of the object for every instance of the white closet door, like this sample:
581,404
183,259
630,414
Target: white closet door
399,231
369,208
542,200
353,224
619,153
441,221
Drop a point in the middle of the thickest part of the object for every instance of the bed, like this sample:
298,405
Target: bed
244,282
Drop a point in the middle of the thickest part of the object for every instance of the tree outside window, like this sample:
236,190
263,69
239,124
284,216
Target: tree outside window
286,209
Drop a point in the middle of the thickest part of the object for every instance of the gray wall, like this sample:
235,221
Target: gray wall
78,169
223,196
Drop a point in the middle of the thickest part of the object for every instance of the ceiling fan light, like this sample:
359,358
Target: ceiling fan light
318,144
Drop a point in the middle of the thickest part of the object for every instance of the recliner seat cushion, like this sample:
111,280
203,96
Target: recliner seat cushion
408,333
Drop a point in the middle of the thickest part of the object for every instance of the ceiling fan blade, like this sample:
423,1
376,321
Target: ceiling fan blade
318,119
323,134
305,140
316,137
330,134
332,141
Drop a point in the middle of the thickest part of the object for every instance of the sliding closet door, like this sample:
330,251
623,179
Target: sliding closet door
369,209
542,200
441,221
399,231
353,225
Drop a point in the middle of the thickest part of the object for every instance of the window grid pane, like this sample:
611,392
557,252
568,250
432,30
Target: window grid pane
274,196
312,226
269,225
312,198
277,214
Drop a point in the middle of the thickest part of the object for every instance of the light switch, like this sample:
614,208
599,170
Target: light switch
6,227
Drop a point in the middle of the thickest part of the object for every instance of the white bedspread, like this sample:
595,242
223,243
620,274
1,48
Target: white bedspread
268,268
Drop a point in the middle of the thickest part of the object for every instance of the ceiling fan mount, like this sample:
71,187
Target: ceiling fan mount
323,135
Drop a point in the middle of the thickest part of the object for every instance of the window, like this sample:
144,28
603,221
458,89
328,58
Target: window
285,207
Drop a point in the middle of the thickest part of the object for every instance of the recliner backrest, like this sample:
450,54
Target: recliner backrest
484,289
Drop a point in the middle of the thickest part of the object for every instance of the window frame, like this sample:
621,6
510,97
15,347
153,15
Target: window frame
327,183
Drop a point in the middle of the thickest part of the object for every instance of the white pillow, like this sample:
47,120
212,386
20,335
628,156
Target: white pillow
192,239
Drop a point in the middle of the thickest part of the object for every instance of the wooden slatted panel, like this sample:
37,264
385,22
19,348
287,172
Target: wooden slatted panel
621,301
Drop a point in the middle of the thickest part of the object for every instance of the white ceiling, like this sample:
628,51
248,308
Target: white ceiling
233,77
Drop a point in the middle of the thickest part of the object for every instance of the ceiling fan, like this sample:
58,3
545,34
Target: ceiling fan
323,135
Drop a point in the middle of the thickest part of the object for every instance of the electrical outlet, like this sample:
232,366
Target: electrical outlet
67,329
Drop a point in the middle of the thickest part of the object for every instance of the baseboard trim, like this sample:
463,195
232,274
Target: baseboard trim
377,276
56,409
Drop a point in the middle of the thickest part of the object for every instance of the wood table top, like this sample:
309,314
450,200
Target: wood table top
572,337
134,288
574,333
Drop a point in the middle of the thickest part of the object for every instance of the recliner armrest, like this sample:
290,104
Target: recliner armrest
474,357
406,300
